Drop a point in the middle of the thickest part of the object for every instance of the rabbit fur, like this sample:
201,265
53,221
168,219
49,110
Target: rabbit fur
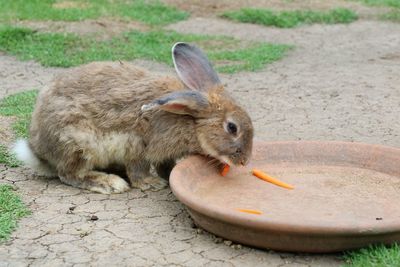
105,118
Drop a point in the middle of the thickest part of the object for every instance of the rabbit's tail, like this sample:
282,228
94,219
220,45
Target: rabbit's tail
25,154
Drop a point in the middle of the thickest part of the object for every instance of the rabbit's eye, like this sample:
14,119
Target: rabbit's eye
232,128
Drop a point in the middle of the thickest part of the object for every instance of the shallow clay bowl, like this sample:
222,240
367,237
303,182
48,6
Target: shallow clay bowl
346,195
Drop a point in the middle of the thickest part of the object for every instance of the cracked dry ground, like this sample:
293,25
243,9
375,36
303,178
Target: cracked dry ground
340,83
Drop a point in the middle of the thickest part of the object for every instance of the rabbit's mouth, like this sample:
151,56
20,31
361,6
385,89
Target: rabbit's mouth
225,160
221,160
211,152
217,162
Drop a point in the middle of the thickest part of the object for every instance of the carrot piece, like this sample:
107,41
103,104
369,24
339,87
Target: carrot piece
225,170
257,212
265,177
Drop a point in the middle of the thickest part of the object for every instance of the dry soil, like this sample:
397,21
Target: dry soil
341,82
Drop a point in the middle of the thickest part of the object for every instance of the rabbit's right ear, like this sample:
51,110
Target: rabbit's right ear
193,67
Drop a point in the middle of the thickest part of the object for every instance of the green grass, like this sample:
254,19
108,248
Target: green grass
21,106
386,3
251,59
11,210
151,12
393,15
290,19
66,50
7,158
374,256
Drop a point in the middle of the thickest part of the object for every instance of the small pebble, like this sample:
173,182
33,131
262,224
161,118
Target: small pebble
237,246
228,242
94,218
71,210
199,231
82,235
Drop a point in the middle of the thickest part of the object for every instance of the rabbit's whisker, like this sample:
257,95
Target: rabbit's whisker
213,162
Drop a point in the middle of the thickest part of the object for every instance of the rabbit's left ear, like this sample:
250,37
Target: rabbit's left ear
193,67
182,102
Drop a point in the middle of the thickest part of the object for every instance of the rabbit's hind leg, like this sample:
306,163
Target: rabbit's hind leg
96,181
78,166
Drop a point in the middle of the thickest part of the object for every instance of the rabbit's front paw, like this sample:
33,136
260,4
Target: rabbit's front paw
150,183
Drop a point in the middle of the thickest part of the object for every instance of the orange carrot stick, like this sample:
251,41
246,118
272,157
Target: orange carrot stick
257,212
225,170
265,177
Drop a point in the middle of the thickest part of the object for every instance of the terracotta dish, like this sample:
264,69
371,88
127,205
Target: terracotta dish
345,196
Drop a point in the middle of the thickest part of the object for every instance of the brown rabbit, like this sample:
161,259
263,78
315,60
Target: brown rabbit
106,115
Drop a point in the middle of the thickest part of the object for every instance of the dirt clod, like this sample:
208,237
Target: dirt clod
199,231
228,242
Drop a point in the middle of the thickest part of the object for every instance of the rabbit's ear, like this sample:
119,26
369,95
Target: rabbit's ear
181,102
193,67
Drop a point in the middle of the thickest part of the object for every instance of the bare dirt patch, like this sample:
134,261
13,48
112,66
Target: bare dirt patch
17,76
209,8
103,28
6,135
